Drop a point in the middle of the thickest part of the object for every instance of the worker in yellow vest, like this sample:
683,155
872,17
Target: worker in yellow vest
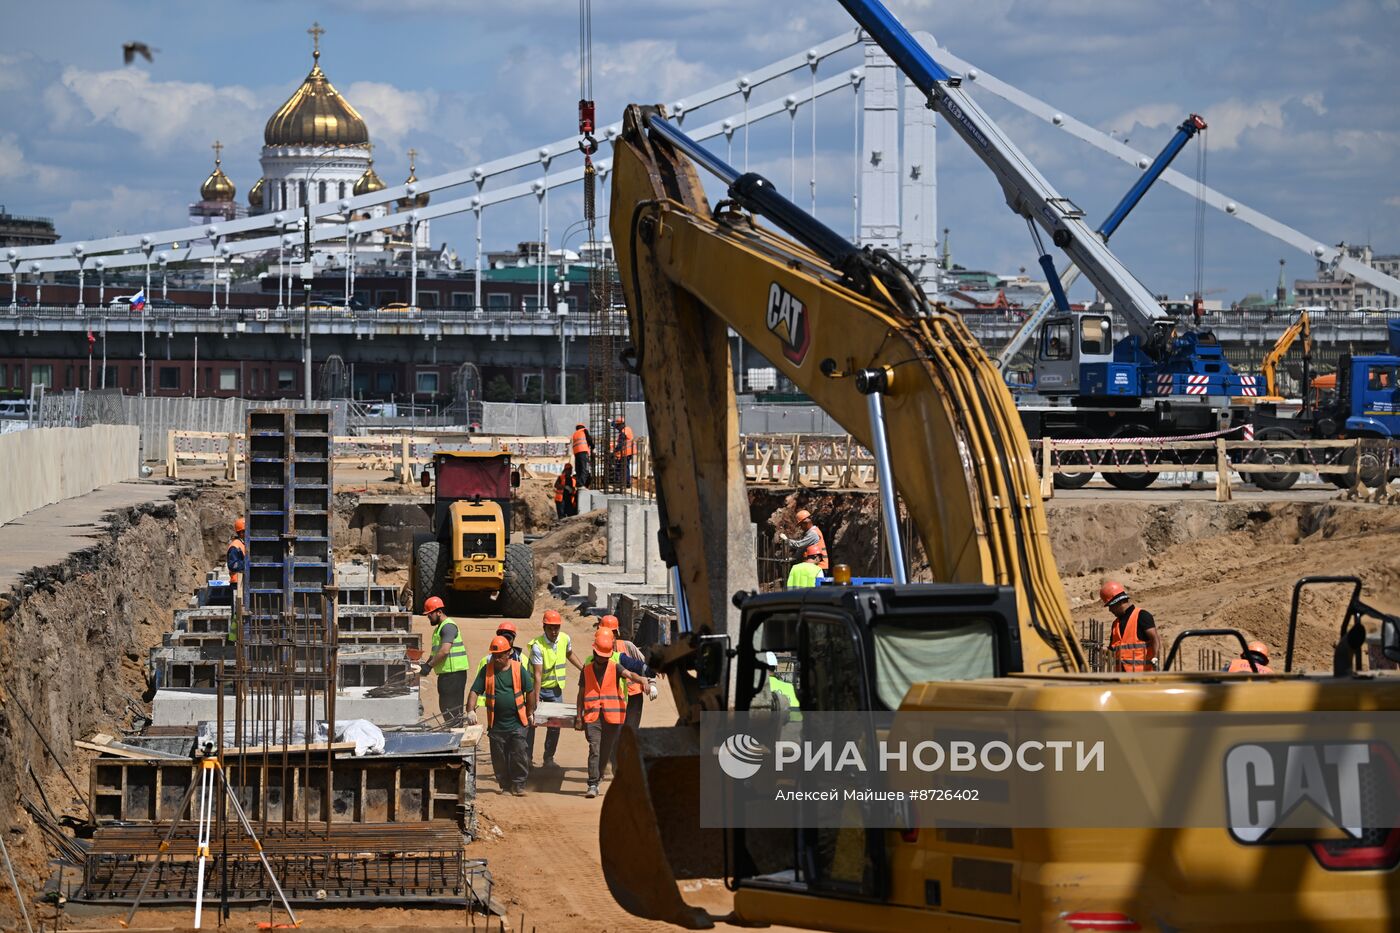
448,661
780,687
550,654
602,707
509,692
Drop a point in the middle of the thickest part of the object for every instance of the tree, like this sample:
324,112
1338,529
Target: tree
499,390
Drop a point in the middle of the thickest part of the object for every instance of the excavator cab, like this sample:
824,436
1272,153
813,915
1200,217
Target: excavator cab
825,649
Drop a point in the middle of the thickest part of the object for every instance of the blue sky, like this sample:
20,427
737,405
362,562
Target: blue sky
1300,97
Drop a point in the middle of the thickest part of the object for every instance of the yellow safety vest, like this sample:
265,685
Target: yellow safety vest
555,660
456,659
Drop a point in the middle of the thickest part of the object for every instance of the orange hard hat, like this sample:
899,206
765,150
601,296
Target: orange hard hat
552,618
803,515
506,627
1258,647
608,622
430,604
619,420
500,644
239,524
603,642
580,425
1112,592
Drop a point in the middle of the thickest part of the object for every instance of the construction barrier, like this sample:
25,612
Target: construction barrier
1220,456
399,453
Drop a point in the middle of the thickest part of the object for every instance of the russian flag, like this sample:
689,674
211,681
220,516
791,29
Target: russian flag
138,301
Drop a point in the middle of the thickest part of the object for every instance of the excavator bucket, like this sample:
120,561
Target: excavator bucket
650,832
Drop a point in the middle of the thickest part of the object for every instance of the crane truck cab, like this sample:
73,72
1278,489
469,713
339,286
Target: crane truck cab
472,560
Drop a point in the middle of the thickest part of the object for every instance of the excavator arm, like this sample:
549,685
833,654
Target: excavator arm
1301,327
959,456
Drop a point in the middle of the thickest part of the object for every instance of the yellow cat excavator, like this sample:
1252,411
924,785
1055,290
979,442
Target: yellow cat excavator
852,329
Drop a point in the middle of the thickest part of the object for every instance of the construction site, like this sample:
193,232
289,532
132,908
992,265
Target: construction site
644,661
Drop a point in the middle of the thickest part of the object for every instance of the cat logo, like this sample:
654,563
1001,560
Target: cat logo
787,319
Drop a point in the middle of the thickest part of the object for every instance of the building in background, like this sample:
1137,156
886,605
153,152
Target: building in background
25,231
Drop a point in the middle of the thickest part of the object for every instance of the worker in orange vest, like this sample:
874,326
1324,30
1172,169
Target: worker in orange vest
634,690
566,493
237,552
602,702
582,445
509,691
1134,642
1259,653
812,541
624,448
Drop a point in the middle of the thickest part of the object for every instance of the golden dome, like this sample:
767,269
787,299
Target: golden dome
255,194
316,115
369,182
419,200
217,186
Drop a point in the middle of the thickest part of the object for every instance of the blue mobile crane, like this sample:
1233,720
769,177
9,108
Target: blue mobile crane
1093,382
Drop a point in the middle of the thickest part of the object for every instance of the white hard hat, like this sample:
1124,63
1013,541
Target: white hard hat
770,659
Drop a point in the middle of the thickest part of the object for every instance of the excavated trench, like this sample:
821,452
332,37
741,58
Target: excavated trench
73,642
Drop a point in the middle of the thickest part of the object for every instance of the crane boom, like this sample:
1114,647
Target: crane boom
1188,128
1027,192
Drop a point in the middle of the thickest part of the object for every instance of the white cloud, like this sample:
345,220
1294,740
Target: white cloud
11,157
393,115
165,113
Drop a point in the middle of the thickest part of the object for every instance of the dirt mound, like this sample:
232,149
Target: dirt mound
1202,565
580,538
534,505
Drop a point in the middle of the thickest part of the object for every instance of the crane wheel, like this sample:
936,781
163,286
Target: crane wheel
517,599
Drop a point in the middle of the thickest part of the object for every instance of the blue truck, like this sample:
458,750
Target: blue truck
1364,404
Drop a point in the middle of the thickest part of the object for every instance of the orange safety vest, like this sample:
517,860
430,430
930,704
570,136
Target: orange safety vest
632,688
561,486
491,694
818,548
626,444
580,441
1241,666
1129,651
603,698
236,578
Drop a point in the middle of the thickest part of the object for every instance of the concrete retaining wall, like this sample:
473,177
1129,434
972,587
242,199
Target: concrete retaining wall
44,465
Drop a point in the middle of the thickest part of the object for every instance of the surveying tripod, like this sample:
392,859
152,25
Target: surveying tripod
211,770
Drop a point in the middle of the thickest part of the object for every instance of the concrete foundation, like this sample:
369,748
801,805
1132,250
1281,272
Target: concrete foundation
188,708
633,566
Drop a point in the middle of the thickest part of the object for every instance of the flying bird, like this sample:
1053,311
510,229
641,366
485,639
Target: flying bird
131,49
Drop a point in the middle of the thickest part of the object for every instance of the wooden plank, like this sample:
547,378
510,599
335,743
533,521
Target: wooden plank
292,749
117,749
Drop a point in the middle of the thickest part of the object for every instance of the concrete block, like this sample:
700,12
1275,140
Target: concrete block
617,531
656,572
634,554
598,587
608,593
578,580
188,708
564,571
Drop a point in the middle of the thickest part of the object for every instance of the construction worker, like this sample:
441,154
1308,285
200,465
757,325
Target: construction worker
509,694
1259,653
507,631
778,686
602,711
634,691
237,553
1134,642
448,661
811,542
566,493
550,652
237,560
581,443
804,573
624,448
